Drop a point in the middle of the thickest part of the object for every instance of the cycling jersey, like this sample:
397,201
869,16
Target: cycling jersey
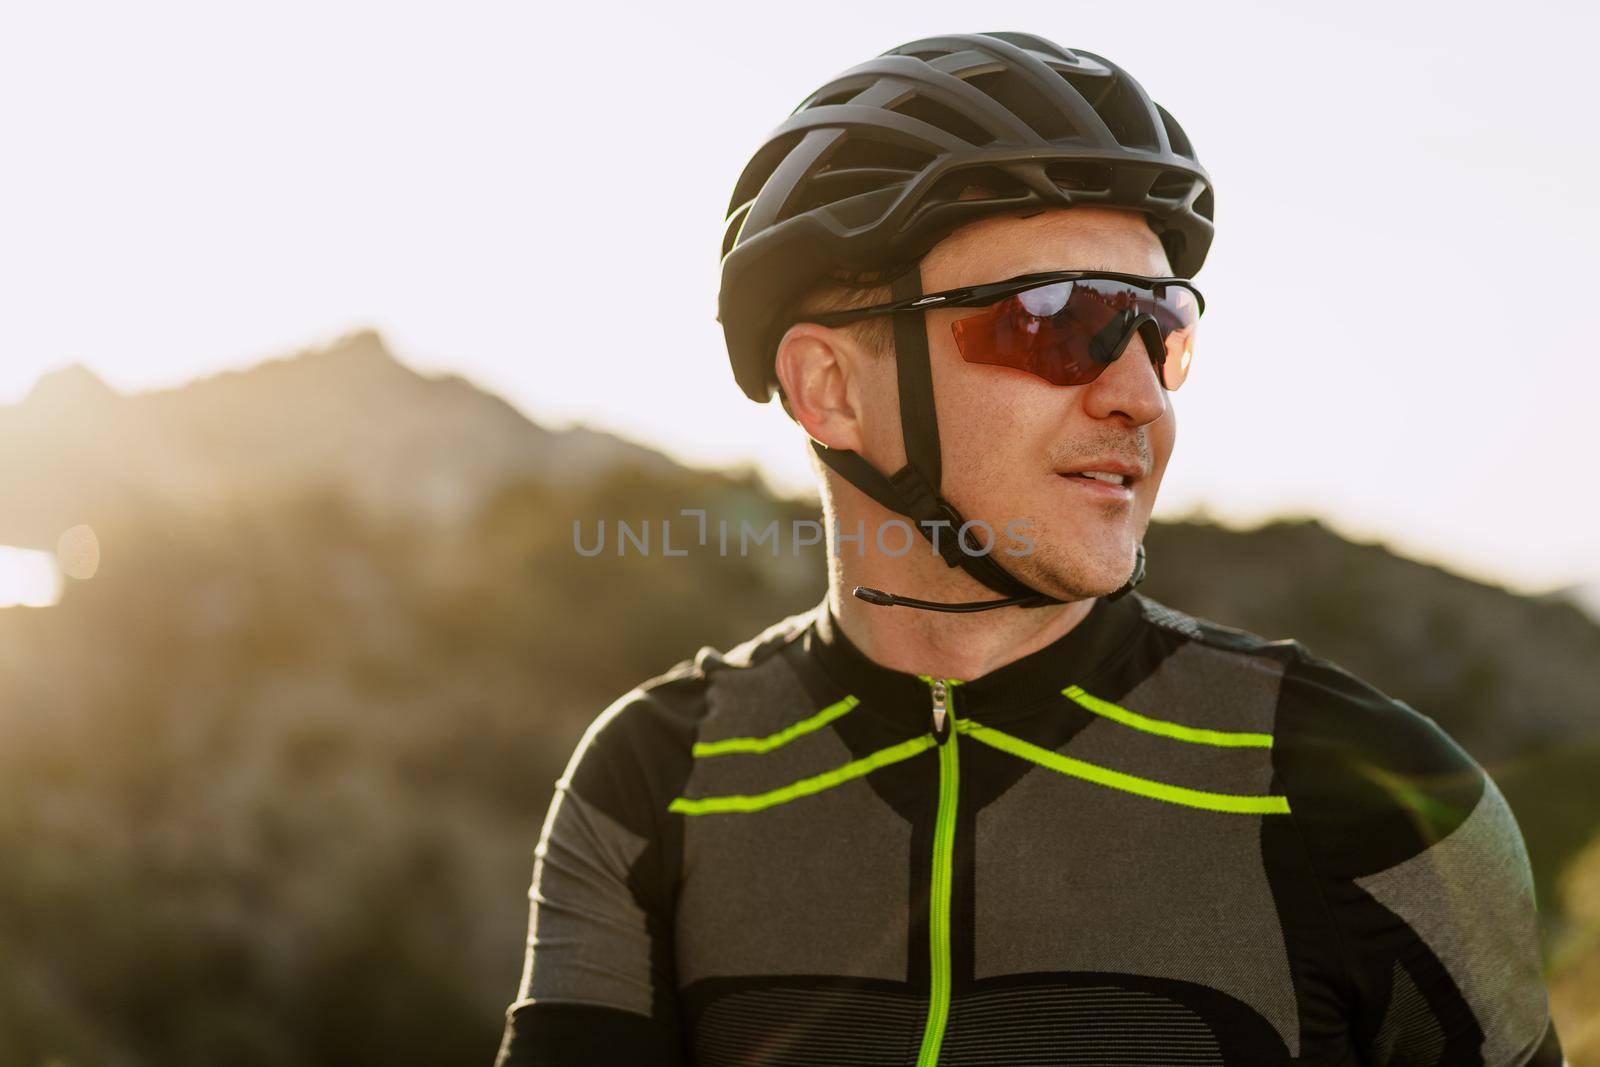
1157,840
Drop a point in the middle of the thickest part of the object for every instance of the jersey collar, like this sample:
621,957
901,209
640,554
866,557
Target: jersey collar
1041,675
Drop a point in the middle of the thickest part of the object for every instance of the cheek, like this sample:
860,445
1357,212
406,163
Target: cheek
1164,436
994,424
1000,424
879,411
1161,435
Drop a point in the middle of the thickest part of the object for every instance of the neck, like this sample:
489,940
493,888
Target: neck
942,644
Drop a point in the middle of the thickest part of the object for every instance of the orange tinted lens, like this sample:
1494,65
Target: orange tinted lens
1177,313
1048,332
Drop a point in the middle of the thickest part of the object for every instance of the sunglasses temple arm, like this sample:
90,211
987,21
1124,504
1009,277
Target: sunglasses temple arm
981,294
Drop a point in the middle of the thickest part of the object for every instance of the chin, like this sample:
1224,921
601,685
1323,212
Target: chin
1078,552
1054,569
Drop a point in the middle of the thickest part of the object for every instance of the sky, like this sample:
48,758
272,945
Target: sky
533,195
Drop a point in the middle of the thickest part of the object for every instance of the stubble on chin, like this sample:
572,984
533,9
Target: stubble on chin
1059,564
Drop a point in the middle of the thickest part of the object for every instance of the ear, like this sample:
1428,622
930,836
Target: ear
820,370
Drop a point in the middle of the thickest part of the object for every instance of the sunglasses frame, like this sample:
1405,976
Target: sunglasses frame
991,293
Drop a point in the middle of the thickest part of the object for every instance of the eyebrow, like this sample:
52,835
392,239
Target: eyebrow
1094,266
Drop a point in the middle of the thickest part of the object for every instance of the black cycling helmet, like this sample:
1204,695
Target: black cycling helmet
868,174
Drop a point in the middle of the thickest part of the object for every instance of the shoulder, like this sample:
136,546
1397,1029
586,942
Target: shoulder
1421,862
1219,646
638,750
1371,781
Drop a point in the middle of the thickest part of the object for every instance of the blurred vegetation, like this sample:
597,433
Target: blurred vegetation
271,780
1575,993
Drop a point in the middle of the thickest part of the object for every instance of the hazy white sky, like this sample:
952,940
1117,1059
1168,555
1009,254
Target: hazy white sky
533,195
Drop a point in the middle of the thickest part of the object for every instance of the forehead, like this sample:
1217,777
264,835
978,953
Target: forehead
1080,238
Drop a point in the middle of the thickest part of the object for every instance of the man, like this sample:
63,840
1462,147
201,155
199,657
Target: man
925,824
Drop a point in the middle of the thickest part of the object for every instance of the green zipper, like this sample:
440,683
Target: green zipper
944,832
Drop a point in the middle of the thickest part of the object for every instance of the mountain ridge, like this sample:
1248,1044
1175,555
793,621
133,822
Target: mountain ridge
347,416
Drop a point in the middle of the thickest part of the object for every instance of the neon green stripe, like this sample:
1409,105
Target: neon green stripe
1230,738
1145,787
782,737
939,904
805,786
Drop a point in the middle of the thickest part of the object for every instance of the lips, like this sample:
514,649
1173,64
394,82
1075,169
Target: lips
1109,487
1106,470
1108,477
1104,478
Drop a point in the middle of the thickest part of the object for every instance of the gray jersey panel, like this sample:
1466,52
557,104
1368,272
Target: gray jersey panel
816,885
1190,881
587,936
1469,897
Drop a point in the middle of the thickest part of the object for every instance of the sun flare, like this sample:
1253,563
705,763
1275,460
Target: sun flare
28,578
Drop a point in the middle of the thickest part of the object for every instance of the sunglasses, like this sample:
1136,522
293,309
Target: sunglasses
1064,326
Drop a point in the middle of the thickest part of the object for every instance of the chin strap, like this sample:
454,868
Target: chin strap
913,490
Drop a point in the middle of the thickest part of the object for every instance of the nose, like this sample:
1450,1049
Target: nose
1129,388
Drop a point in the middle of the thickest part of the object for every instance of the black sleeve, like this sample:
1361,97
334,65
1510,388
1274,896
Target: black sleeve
1425,875
598,986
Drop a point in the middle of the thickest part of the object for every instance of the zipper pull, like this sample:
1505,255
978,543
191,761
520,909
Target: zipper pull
941,699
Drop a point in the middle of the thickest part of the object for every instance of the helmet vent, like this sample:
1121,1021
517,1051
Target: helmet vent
1122,110
990,183
760,168
1085,177
1025,102
1175,135
947,119
835,186
1172,185
843,97
872,154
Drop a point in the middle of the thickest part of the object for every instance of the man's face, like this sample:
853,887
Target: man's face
1011,441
